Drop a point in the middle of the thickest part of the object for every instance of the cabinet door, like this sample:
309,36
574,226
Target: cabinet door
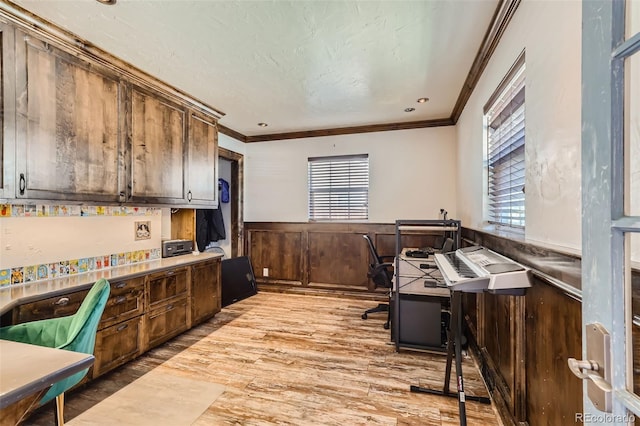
205,291
166,322
7,114
167,285
202,183
116,345
156,150
68,112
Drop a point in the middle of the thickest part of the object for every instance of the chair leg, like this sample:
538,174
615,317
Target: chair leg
60,410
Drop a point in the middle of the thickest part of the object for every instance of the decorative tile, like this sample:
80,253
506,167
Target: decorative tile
63,270
17,275
91,263
54,270
5,277
17,210
5,210
42,210
73,266
83,265
43,272
106,261
30,210
30,273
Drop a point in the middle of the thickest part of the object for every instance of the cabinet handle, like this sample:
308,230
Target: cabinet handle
169,307
23,184
189,196
169,273
120,299
63,301
121,285
122,327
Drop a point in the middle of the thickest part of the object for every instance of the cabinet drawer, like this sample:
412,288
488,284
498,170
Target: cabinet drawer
51,307
167,285
116,345
125,301
166,322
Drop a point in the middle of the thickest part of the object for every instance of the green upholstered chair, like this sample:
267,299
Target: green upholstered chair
75,332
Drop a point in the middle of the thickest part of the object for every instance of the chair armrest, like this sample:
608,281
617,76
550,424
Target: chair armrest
378,268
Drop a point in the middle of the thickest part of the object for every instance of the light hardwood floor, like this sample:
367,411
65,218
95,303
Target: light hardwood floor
298,360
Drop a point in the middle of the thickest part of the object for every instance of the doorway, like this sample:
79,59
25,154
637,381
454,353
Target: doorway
231,166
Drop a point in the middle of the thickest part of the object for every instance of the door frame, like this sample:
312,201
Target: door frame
236,199
606,286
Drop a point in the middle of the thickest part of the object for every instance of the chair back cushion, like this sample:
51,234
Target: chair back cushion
81,334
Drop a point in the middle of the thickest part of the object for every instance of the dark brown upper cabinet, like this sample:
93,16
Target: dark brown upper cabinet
157,149
68,126
79,128
202,178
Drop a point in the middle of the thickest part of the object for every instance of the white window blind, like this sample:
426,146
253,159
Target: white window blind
505,119
339,187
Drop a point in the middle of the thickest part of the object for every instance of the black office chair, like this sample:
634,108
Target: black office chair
381,273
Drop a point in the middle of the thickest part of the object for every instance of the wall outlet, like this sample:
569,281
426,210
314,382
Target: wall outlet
265,272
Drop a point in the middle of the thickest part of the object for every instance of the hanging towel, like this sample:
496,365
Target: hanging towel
223,186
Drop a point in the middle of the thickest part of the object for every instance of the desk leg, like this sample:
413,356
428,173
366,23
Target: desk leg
454,341
457,319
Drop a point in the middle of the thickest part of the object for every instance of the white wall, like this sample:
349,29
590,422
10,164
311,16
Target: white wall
231,144
550,34
27,241
412,174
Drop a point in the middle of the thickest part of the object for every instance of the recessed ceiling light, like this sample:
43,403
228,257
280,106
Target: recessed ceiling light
422,100
262,124
409,109
109,2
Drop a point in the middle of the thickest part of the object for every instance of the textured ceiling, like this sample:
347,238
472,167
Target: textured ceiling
296,65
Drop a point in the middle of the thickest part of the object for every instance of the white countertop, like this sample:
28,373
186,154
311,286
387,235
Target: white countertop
14,295
26,369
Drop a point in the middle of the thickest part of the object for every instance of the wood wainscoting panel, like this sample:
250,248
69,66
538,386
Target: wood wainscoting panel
499,340
279,251
337,258
554,333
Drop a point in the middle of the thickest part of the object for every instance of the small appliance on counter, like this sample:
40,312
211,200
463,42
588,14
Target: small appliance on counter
172,248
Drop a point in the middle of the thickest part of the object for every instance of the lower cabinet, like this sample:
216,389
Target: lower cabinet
120,329
205,291
116,345
141,312
166,322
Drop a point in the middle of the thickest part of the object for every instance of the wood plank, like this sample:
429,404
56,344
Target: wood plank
293,359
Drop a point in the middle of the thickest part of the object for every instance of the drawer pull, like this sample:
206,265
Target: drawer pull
121,285
120,299
63,301
169,273
122,327
169,307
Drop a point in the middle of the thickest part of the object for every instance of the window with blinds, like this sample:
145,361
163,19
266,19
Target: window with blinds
339,187
505,124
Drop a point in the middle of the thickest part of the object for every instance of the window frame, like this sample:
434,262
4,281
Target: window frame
342,195
514,160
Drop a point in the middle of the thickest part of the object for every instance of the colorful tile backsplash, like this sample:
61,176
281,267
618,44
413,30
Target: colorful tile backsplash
67,267
43,210
25,274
